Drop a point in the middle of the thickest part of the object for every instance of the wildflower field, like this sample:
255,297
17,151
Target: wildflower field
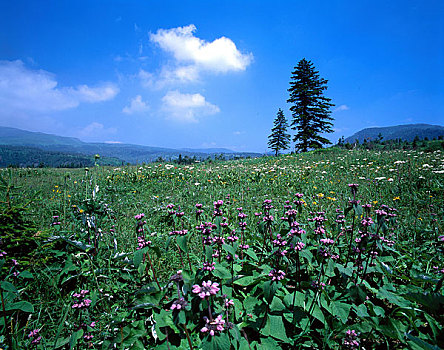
332,249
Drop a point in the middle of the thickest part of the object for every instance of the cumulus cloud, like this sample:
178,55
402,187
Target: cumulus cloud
342,108
24,89
136,106
187,107
193,55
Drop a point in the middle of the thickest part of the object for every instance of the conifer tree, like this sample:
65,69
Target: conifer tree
310,108
279,139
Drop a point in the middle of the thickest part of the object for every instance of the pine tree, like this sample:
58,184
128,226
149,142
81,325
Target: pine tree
279,139
310,108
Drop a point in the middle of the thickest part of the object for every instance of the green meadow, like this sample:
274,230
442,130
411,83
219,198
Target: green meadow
330,249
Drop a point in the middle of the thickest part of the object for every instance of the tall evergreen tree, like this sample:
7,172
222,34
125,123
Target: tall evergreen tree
310,108
279,139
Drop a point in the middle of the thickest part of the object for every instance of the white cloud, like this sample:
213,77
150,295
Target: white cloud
341,108
237,133
95,130
136,106
187,107
113,142
23,89
193,55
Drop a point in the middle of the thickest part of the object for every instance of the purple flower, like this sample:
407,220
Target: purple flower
327,241
179,304
208,266
208,288
228,302
299,246
276,275
350,340
213,327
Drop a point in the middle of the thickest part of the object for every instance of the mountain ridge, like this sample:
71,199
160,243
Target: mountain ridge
406,132
127,153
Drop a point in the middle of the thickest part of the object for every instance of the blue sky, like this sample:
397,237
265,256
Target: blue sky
214,73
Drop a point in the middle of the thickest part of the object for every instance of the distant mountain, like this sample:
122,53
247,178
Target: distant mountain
25,156
405,132
18,137
208,150
123,153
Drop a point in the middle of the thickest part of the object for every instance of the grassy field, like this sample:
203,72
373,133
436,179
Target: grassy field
329,249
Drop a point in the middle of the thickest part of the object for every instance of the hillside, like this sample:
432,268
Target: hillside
25,156
126,153
405,132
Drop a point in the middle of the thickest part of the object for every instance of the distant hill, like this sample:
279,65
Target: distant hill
123,153
25,156
405,132
208,150
18,137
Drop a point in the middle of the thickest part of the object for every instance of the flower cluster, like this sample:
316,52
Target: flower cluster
276,275
208,288
81,302
34,335
179,304
213,327
208,266
351,339
55,221
217,207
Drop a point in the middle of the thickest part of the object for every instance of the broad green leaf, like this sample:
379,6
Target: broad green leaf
20,305
182,243
341,310
299,299
361,311
270,288
8,287
218,342
420,344
221,272
277,304
245,281
138,256
74,338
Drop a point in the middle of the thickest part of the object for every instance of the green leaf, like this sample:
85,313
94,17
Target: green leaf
221,272
20,305
245,281
74,338
298,300
270,288
249,303
348,271
182,243
61,342
268,344
230,249
250,252
26,274
392,298
138,256
317,313
361,311
218,342
8,287
421,344
330,271
341,310
275,328
59,330
208,253
277,304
